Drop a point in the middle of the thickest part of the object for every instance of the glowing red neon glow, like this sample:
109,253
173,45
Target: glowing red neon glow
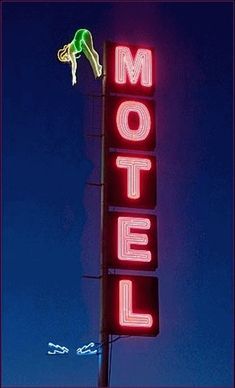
139,67
126,315
123,112
126,239
133,167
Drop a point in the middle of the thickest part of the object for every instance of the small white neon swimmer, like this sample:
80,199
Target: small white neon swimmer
57,349
87,350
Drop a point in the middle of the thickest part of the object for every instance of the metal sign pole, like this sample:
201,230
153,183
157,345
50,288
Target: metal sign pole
103,380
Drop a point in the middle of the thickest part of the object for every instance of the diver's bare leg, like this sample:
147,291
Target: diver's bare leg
89,42
91,47
96,67
96,56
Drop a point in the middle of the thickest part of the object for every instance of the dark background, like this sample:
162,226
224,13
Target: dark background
51,217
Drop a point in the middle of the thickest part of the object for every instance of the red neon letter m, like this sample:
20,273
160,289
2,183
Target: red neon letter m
134,68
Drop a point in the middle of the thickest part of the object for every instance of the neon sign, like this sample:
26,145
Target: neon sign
130,181
133,167
126,315
130,69
81,43
87,350
132,122
137,307
134,68
57,349
126,238
123,126
132,242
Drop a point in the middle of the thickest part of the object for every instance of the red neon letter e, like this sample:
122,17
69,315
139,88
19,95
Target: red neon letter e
139,67
126,315
123,112
133,167
126,239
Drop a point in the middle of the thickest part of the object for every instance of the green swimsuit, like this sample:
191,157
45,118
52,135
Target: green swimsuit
78,39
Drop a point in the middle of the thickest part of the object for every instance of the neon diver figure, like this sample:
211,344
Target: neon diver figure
81,43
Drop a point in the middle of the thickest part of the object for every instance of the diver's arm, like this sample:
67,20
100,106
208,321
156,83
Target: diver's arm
73,61
74,68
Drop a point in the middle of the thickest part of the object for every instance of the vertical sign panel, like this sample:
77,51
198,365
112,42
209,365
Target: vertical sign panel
130,123
130,238
132,242
133,305
130,69
131,180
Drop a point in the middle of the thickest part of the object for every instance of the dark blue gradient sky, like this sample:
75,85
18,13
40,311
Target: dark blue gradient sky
51,218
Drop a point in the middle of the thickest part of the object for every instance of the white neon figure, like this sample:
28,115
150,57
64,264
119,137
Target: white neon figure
133,166
87,350
126,238
57,349
124,109
134,68
126,315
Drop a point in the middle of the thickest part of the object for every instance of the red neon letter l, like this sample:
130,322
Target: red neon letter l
126,315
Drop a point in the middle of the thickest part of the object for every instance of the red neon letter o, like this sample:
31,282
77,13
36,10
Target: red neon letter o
123,112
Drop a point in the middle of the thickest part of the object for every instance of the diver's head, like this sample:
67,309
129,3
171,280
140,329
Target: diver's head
63,54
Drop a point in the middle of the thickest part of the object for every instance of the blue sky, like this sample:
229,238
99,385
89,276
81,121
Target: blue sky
51,217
